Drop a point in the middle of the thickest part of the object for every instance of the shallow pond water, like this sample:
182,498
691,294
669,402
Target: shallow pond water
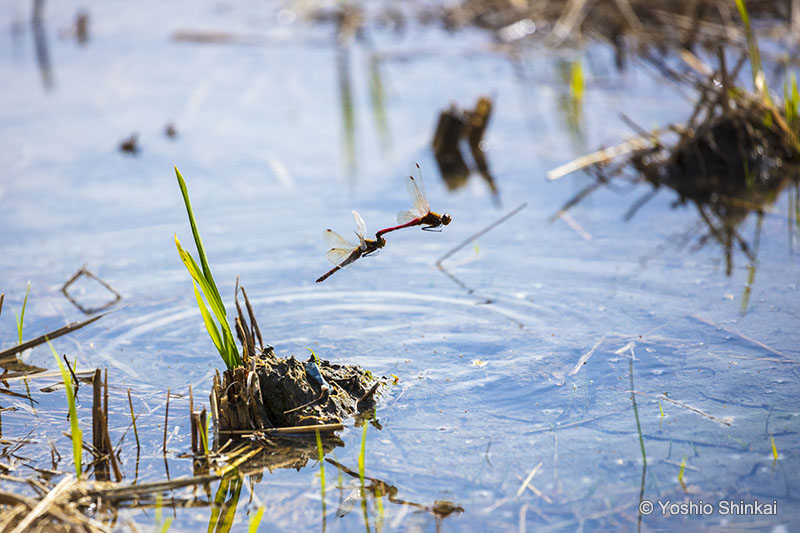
280,134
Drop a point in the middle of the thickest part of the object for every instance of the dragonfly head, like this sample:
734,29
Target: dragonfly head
446,219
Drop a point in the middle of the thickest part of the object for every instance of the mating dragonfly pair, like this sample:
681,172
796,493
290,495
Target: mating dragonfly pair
344,253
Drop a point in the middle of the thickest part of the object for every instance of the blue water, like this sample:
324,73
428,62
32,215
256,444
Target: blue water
486,391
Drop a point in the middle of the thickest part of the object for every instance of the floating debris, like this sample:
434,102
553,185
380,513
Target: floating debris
130,145
83,272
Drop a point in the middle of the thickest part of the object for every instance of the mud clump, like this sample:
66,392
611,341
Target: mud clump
285,392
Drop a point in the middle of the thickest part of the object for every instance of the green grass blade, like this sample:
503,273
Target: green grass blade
759,79
77,436
21,319
226,345
211,327
196,234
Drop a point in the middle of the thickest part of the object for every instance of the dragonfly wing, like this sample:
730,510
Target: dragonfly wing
337,256
362,227
361,230
417,192
334,240
341,248
404,217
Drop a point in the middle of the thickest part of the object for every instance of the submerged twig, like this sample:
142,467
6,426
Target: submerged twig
480,233
166,421
69,328
91,310
743,337
585,357
528,479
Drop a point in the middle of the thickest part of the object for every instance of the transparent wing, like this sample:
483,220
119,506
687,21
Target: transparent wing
334,240
337,256
416,189
403,217
361,230
362,227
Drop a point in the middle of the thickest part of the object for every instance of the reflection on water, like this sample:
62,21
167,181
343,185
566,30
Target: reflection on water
40,42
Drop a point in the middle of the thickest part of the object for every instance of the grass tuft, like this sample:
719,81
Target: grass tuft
222,337
21,317
77,436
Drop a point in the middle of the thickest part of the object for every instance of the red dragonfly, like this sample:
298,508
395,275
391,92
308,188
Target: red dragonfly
344,252
420,214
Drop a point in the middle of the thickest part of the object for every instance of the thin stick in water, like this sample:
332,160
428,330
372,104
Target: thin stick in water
133,420
166,420
482,232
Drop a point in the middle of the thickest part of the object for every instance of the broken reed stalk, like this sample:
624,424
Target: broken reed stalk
133,421
2,297
166,420
10,353
98,435
101,439
108,446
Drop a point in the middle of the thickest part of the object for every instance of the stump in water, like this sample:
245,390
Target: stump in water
284,392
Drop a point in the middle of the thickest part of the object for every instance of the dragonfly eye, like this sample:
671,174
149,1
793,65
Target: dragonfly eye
446,219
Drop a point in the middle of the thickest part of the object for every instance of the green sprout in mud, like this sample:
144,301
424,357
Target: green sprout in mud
77,436
222,337
21,317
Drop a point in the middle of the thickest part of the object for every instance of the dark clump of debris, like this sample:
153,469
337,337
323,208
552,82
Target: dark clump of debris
733,157
130,145
284,394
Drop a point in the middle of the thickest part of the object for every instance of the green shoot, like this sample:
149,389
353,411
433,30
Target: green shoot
576,84
164,526
77,436
321,457
255,520
759,79
362,455
680,473
316,359
791,98
774,449
222,337
21,317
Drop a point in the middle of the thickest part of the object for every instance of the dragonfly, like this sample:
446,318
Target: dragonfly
420,214
344,252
